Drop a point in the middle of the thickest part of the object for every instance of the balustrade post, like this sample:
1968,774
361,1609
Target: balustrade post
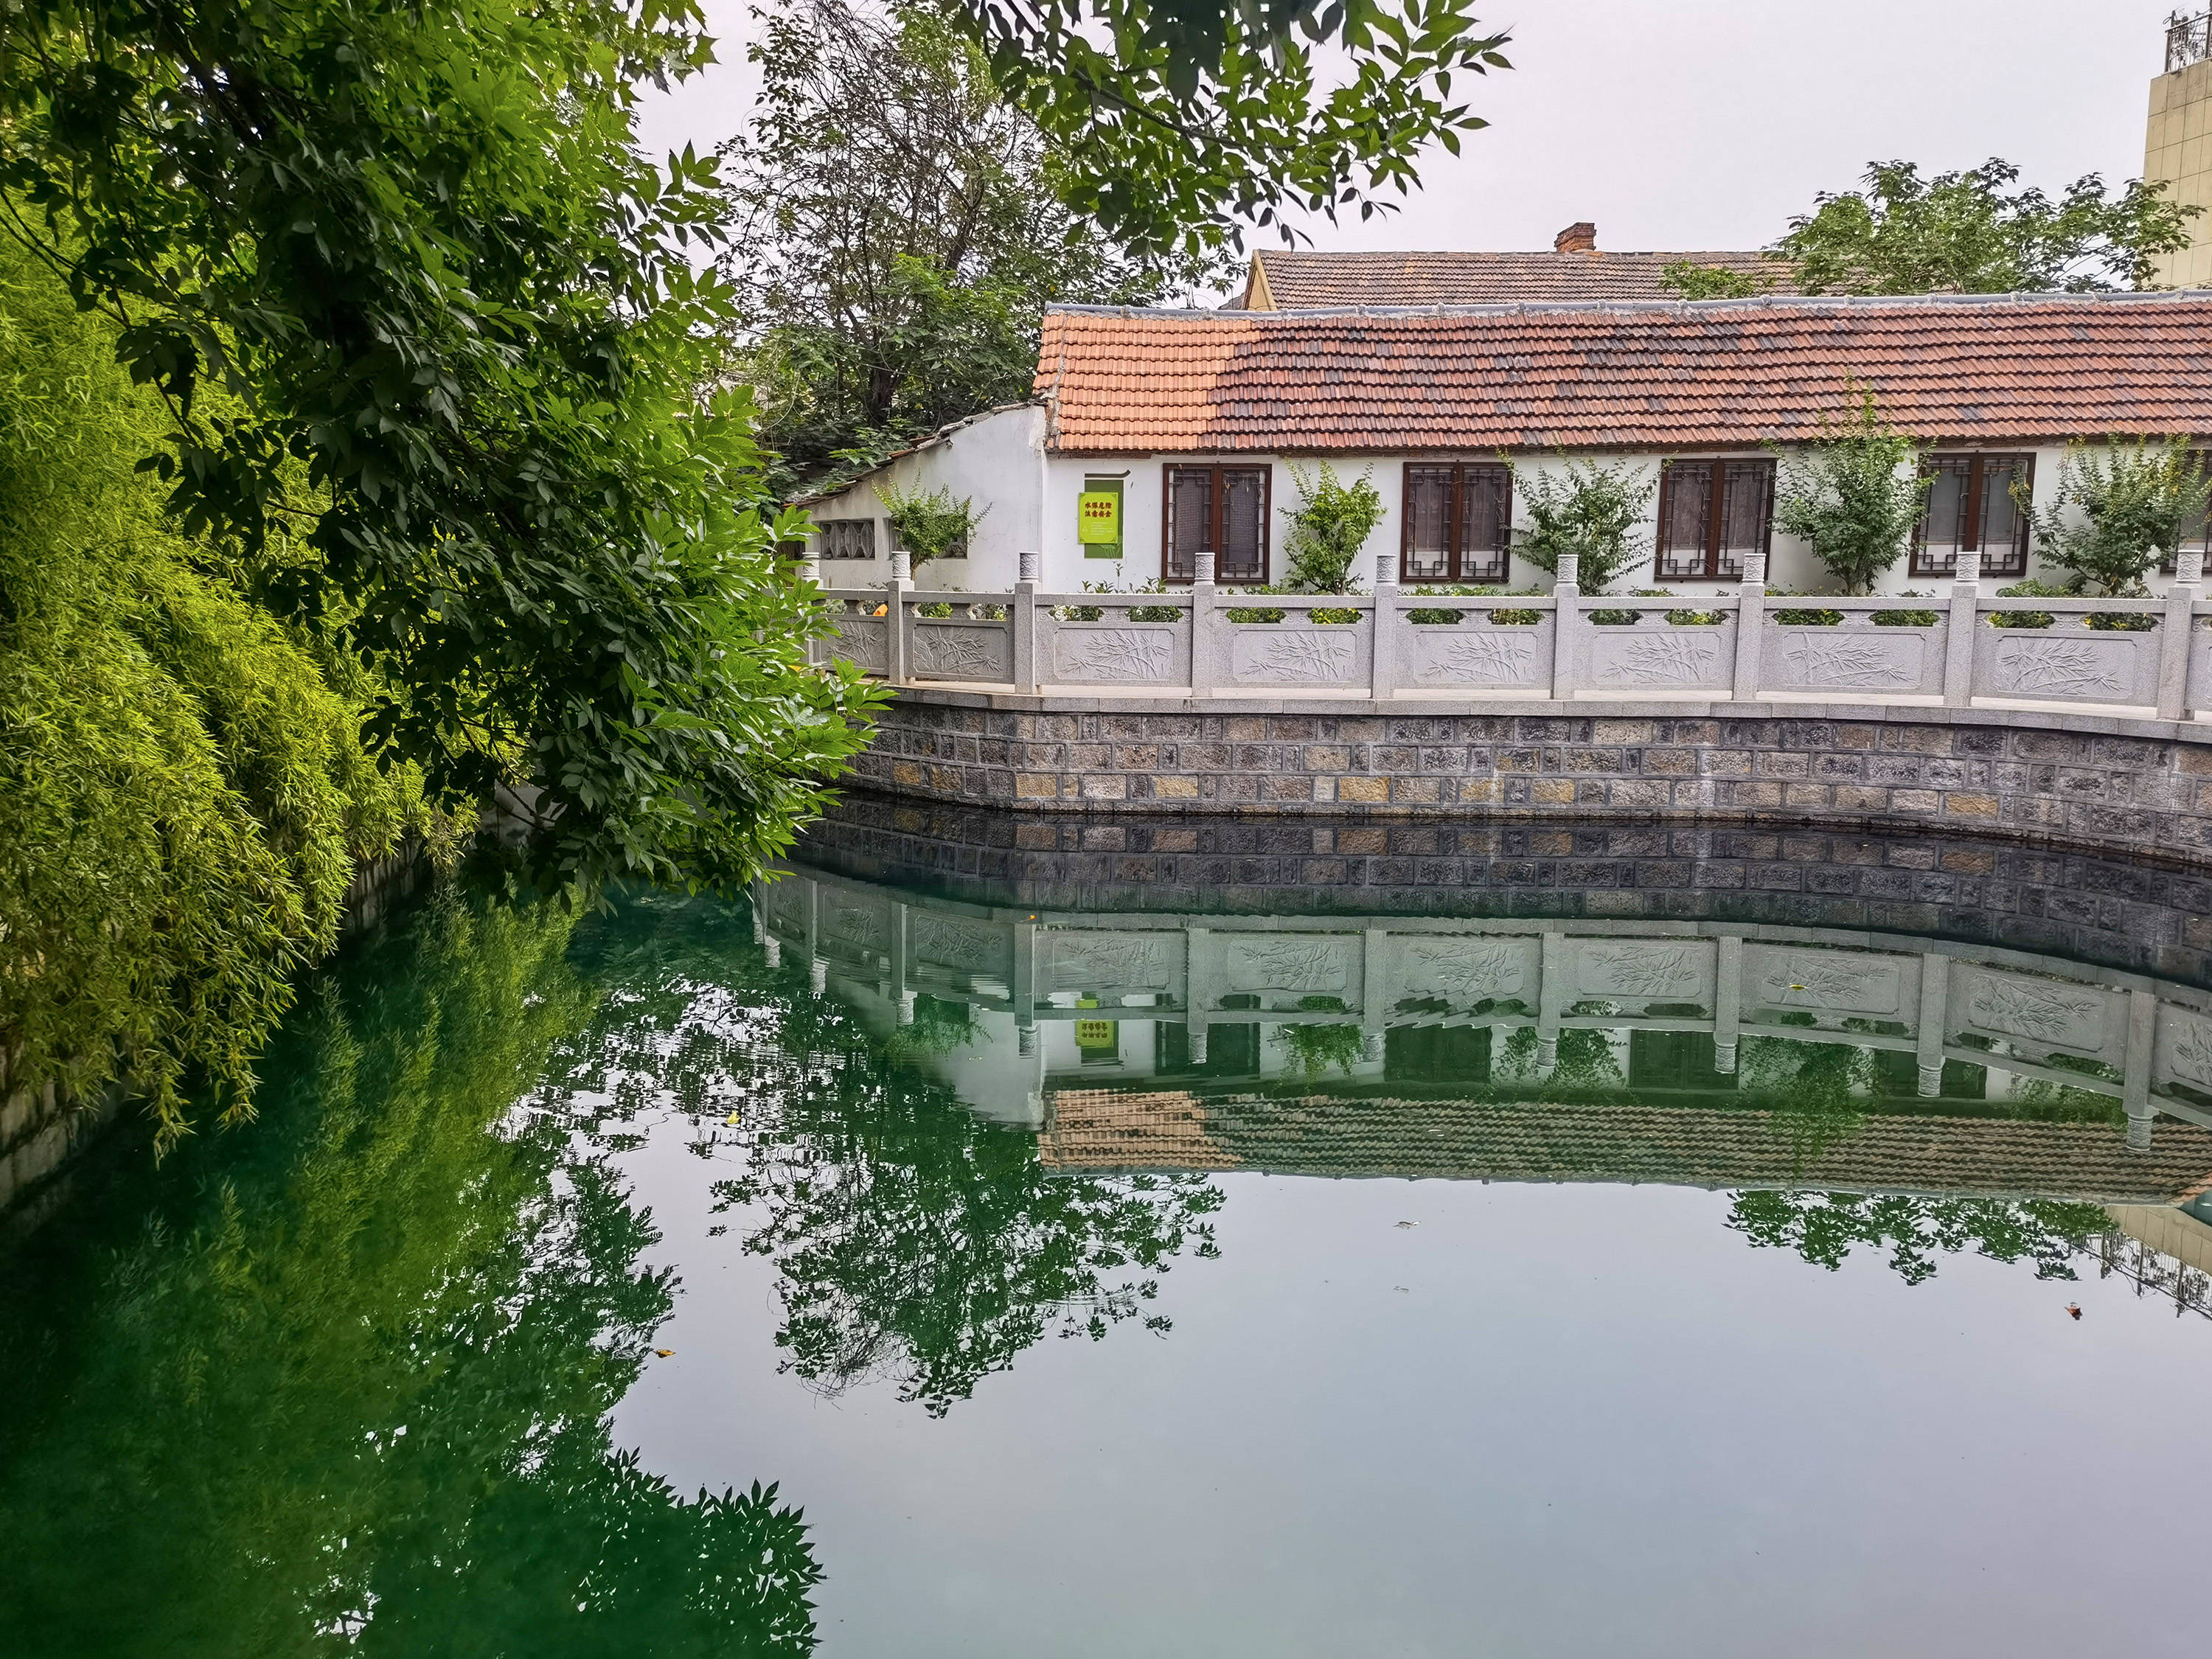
1384,659
2175,633
1022,988
1927,1032
1964,633
1566,625
1023,615
1728,1004
899,966
2134,1067
1551,992
1205,625
1750,625
895,637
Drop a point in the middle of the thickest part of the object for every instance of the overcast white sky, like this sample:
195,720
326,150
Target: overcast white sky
1705,123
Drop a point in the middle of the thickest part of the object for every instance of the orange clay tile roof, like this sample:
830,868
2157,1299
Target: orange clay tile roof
1297,280
1672,374
1678,1146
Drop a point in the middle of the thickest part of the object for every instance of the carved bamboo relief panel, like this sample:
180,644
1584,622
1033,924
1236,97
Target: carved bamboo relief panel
1440,657
2039,1014
1111,962
1291,657
959,947
1282,969
1118,653
2066,663
2182,1048
860,641
1660,657
961,650
1846,659
1462,972
1637,972
1831,984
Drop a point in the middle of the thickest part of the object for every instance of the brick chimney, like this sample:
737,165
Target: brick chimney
1577,239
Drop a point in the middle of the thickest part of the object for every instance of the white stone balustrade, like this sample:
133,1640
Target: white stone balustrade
1388,648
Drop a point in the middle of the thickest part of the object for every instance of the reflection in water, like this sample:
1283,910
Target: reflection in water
1944,1093
347,1379
913,1242
342,1380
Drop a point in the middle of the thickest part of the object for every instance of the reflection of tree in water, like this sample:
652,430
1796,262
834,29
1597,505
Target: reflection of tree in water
1825,1228
914,1242
349,1389
1586,1061
1811,1089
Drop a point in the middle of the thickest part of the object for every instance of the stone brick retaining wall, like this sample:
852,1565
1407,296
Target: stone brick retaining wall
2132,787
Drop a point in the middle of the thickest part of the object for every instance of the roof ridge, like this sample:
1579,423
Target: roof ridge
1752,302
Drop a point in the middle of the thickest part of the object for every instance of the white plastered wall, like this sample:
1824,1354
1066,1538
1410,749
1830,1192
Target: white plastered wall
1792,563
1030,500
994,461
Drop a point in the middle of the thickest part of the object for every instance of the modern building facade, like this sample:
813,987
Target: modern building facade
2178,142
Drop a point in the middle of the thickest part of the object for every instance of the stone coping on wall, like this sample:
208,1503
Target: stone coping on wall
2025,716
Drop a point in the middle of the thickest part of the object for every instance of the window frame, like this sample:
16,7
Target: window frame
826,525
1216,504
1456,523
1716,516
1918,564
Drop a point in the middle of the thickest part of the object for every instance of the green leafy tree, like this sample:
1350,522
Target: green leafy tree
1971,232
929,523
898,230
1329,529
1597,512
459,334
184,797
345,1385
2118,511
1184,121
1691,281
1855,497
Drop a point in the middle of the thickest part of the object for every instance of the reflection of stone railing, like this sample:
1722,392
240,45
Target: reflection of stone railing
2143,1043
2145,656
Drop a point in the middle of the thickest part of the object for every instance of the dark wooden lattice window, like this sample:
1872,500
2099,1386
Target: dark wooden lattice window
848,539
1711,514
1970,504
1458,523
1217,509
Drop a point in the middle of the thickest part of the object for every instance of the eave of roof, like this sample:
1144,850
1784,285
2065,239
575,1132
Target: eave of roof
1634,373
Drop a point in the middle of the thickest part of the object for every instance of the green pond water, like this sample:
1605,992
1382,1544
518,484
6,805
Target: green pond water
878,1271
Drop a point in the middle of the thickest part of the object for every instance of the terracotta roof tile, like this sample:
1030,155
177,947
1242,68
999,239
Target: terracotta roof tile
1462,1140
1676,374
1301,279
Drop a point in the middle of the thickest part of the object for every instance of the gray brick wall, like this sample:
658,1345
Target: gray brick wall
2033,777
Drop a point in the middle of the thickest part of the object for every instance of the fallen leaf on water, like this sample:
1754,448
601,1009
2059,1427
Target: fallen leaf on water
665,1354
2074,1308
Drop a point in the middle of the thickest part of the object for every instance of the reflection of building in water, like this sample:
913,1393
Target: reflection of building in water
1600,1141
1013,1005
1706,1054
2165,1249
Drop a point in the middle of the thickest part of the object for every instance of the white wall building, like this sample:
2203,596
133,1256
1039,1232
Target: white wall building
1186,431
